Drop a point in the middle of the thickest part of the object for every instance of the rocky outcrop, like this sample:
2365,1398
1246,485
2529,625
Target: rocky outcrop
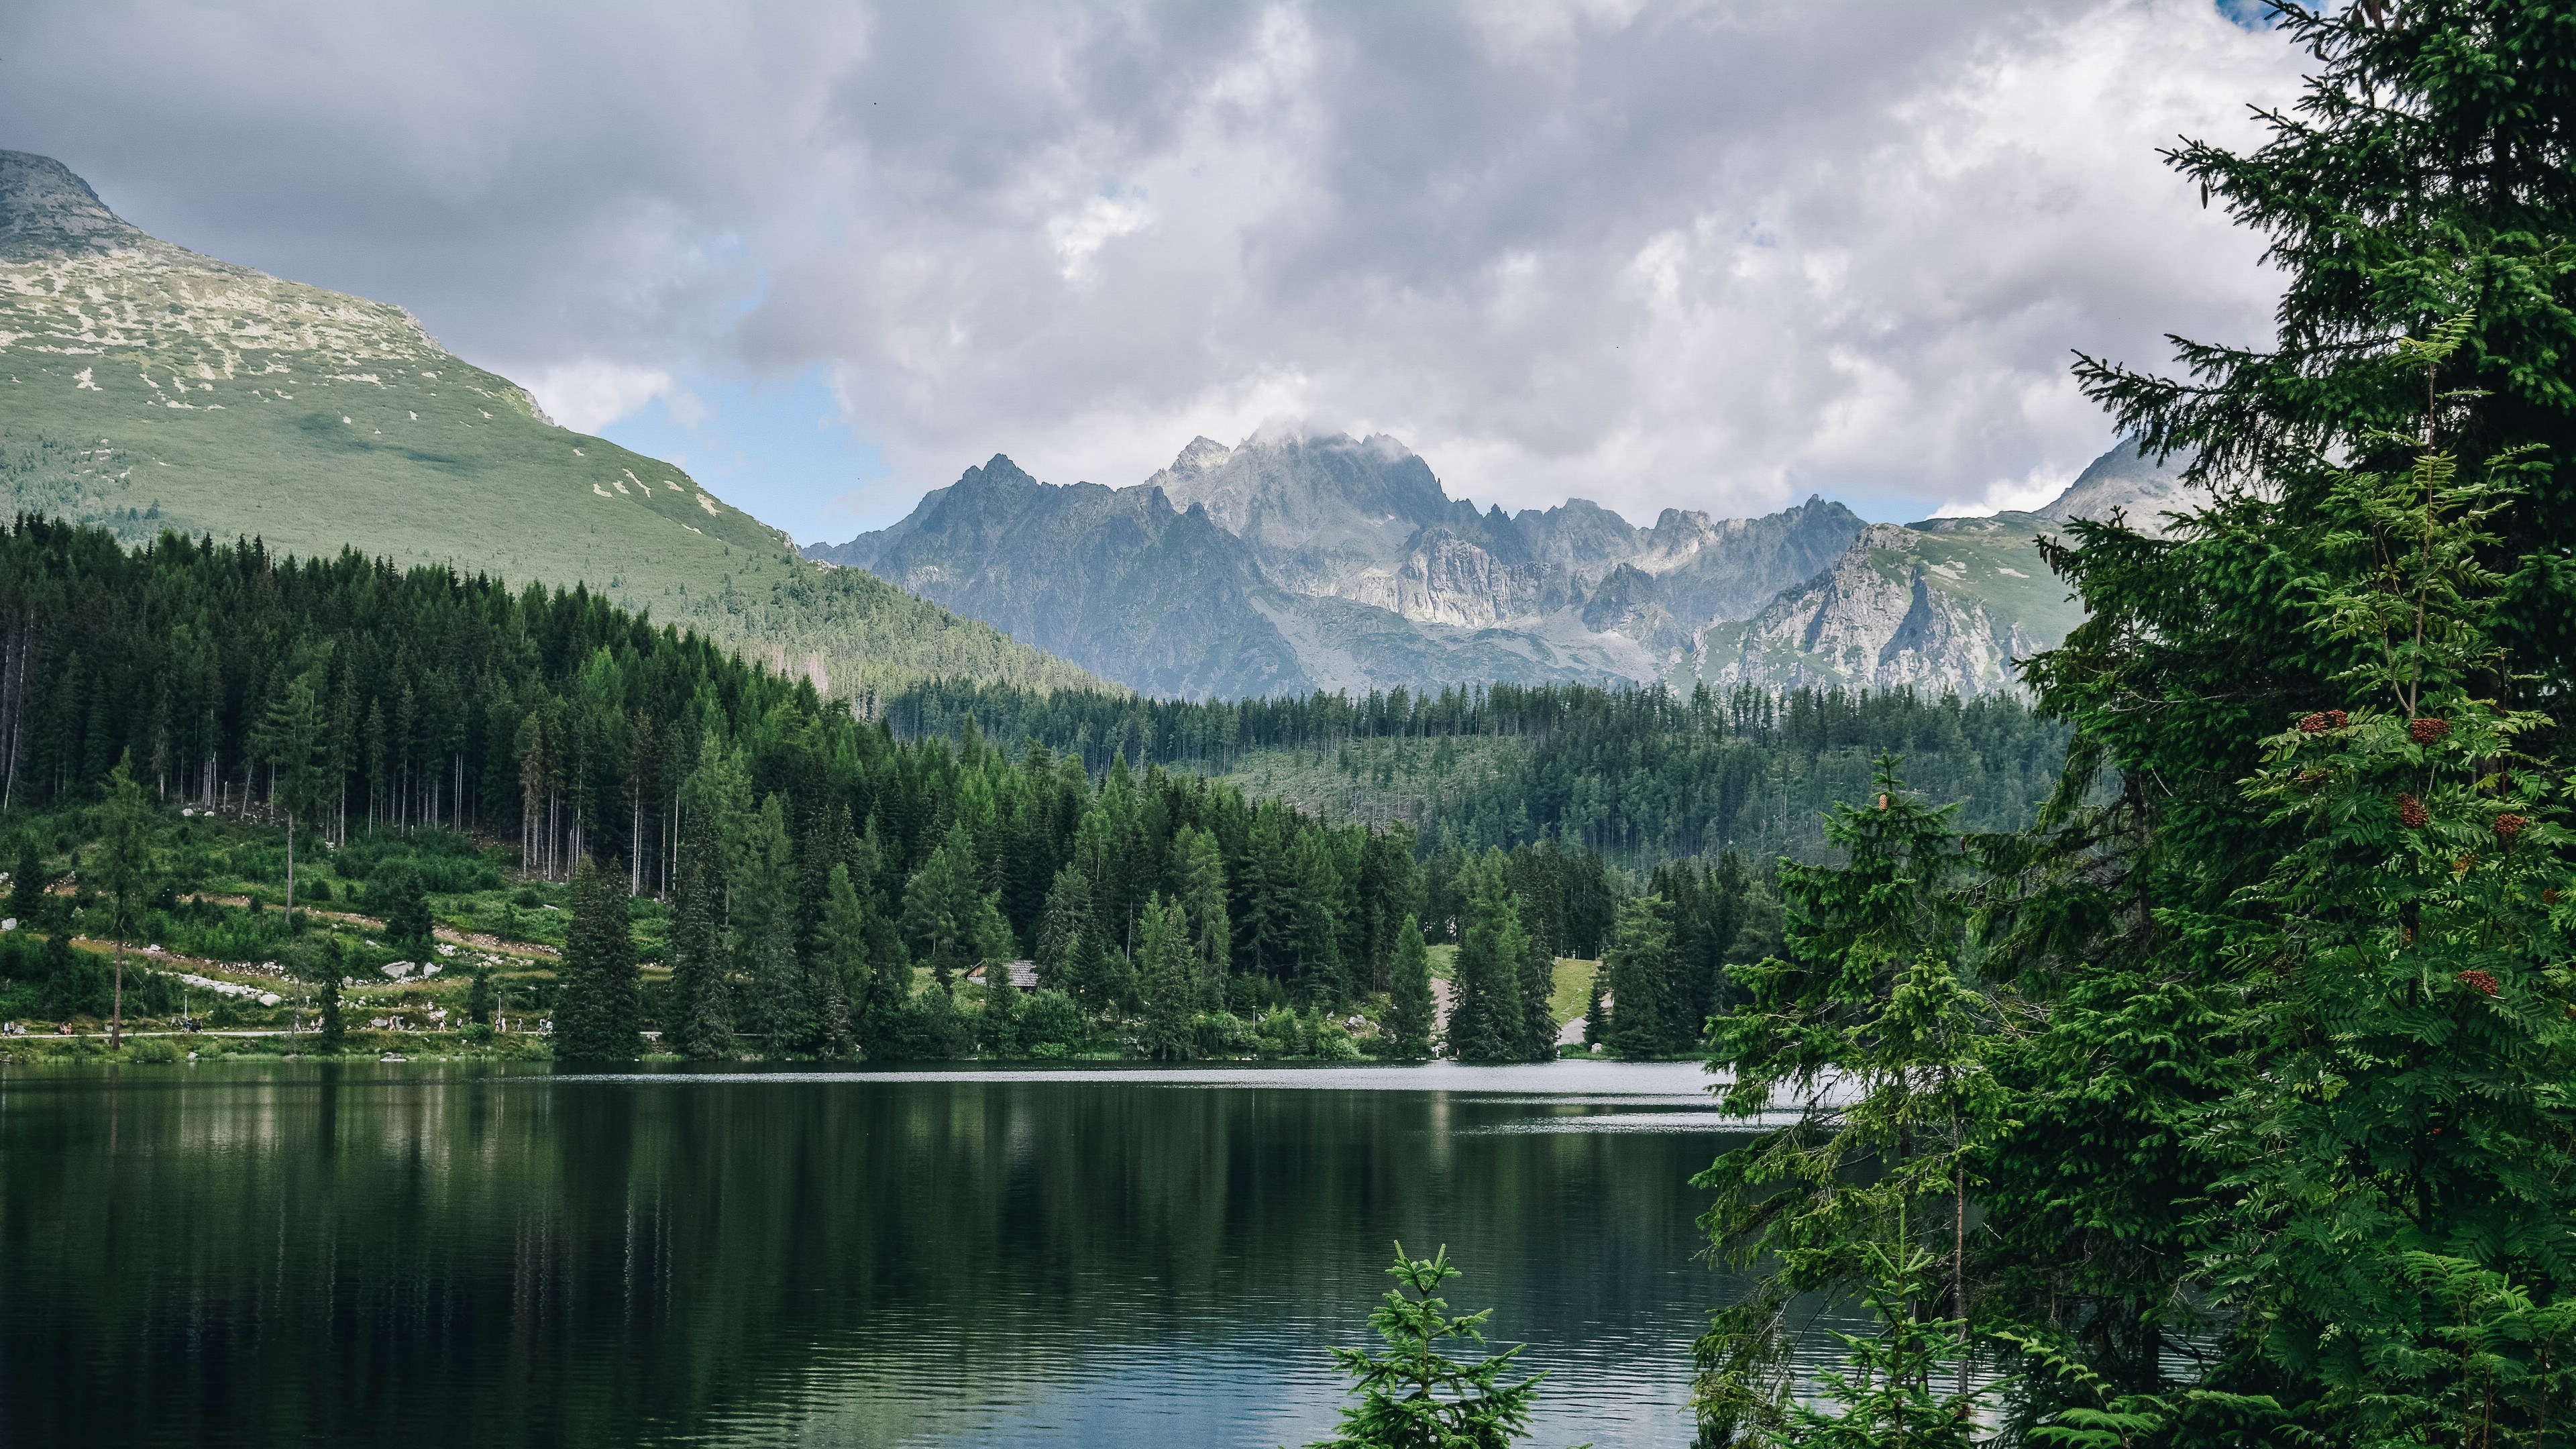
1941,612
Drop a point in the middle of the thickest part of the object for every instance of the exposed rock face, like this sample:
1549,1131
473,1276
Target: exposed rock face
1333,562
51,212
1316,510
2142,489
1159,597
1328,561
1944,605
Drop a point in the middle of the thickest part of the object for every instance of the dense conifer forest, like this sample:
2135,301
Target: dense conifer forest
810,883
1641,775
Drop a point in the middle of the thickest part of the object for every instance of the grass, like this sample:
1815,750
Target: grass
157,389
1572,992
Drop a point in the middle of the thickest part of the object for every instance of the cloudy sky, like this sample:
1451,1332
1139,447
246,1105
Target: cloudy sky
1713,255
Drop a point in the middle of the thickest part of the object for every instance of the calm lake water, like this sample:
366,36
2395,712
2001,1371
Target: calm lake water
267,1254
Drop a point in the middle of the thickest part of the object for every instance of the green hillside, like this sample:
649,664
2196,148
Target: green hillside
144,387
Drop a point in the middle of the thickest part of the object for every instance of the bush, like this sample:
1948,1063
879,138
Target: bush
156,1051
476,1033
1332,1044
1221,1034
1050,1019
1278,1034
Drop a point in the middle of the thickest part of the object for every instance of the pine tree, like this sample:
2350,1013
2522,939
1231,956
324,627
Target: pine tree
27,885
1268,890
1485,1018
949,918
121,867
1315,937
2408,973
1412,1394
1167,980
290,739
1199,864
1001,1010
1538,1007
1873,1003
405,906
599,1014
1067,917
704,1028
1596,1012
1639,964
840,967
325,969
2424,175
1409,1000
765,934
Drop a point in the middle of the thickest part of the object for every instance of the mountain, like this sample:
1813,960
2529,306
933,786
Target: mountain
1295,561
1946,604
143,387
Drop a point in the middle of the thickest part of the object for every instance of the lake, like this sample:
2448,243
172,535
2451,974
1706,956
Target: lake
238,1253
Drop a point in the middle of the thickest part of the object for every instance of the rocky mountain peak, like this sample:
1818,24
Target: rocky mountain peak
2142,488
45,210
1203,454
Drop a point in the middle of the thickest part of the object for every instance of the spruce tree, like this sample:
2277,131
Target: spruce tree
121,868
765,931
1538,1008
1199,865
841,961
1315,934
325,968
398,895
1001,1010
1485,1018
1409,1000
1413,1394
1061,928
949,918
599,1012
2387,1150
1596,1012
2422,181
1872,1031
1167,980
704,1027
27,885
1639,964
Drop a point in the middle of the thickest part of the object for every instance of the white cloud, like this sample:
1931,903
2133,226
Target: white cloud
590,394
1080,235
1714,254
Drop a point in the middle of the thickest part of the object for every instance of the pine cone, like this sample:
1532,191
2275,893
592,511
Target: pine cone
2484,981
2314,724
2427,730
2411,812
2510,825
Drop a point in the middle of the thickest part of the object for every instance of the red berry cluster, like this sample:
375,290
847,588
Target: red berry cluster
2484,981
2427,730
2549,897
2509,825
2319,723
2411,812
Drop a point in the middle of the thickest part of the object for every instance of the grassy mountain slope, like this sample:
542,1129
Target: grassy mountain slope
143,387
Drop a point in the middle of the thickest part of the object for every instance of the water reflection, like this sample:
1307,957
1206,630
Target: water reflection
237,1254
